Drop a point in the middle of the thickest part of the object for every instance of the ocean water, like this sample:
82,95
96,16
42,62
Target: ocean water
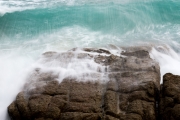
29,28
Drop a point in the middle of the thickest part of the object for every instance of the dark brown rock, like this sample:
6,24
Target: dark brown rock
96,50
22,106
80,116
136,80
38,105
14,112
170,96
138,54
111,103
59,100
50,88
145,109
131,116
121,88
52,112
108,117
84,97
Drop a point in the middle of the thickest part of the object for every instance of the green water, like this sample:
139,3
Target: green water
129,21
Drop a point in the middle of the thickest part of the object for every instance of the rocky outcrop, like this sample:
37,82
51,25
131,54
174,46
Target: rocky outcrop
124,87
170,97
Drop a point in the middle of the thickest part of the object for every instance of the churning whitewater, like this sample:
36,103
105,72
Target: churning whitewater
29,28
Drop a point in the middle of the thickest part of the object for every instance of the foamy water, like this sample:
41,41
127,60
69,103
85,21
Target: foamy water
168,59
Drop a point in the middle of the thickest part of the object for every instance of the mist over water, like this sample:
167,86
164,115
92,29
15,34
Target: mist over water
29,28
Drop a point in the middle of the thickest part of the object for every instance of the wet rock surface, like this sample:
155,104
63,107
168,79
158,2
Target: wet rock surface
170,97
124,88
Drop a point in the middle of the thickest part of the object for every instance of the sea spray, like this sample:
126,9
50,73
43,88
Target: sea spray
13,71
76,64
168,59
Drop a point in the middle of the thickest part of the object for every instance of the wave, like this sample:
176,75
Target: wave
21,5
118,19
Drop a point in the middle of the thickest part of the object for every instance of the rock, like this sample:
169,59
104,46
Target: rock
38,105
138,54
80,116
107,117
170,96
84,97
120,88
14,112
50,88
96,50
143,108
131,117
22,106
111,103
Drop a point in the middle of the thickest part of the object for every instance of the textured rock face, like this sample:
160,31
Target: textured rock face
170,97
130,91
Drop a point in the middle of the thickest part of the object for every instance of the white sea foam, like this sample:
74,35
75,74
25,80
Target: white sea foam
67,38
9,6
21,5
168,59
12,73
12,6
59,66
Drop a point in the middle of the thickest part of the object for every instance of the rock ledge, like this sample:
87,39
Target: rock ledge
131,91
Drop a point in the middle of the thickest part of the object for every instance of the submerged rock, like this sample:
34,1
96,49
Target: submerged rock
121,88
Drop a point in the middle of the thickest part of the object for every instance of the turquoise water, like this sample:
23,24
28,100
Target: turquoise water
128,22
30,27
